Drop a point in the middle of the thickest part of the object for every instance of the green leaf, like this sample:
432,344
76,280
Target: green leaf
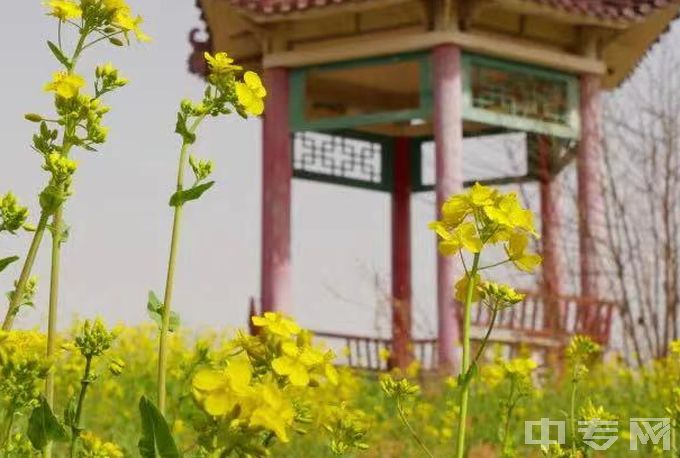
464,379
155,309
43,426
156,440
70,412
181,197
181,128
7,261
59,55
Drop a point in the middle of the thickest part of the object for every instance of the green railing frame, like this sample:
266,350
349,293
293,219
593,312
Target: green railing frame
416,164
472,113
298,81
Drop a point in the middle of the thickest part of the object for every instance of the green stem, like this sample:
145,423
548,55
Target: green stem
57,229
508,416
7,430
52,314
482,345
17,295
414,434
495,264
674,438
75,427
57,234
465,389
15,301
572,414
105,37
170,277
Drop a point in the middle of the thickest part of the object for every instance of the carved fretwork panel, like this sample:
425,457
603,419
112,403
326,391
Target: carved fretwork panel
351,160
520,97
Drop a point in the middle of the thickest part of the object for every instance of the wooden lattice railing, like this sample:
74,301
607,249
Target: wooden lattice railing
538,323
368,352
539,317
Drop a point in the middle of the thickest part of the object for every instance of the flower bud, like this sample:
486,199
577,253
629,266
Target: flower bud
33,117
116,366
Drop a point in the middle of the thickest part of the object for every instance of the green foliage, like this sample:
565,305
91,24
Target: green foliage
181,197
156,440
155,309
5,262
59,54
44,427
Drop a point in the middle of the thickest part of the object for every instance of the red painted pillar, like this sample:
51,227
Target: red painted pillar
401,256
590,198
550,234
276,194
448,136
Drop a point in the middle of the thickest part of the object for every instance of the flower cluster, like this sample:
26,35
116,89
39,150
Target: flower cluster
259,390
110,18
498,296
581,353
485,216
471,221
94,339
27,294
12,215
201,168
23,368
348,429
65,85
95,447
229,89
79,115
398,389
516,370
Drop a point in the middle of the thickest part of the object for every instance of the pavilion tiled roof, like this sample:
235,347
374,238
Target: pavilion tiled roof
626,10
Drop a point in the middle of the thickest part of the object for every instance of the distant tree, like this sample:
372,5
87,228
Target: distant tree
641,172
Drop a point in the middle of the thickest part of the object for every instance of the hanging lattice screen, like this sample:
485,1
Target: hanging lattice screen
348,159
520,97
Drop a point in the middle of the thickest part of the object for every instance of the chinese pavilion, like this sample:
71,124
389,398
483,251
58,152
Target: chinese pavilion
357,87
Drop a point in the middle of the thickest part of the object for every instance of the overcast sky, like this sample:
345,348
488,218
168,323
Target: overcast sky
119,214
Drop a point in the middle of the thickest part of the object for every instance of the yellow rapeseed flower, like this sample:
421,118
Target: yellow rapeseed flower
492,374
463,236
272,411
296,362
251,93
123,18
457,207
461,289
674,347
508,212
64,9
221,63
384,354
520,367
276,324
112,5
219,391
95,447
65,85
516,249
499,294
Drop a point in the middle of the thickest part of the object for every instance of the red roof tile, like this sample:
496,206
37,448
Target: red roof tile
606,9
